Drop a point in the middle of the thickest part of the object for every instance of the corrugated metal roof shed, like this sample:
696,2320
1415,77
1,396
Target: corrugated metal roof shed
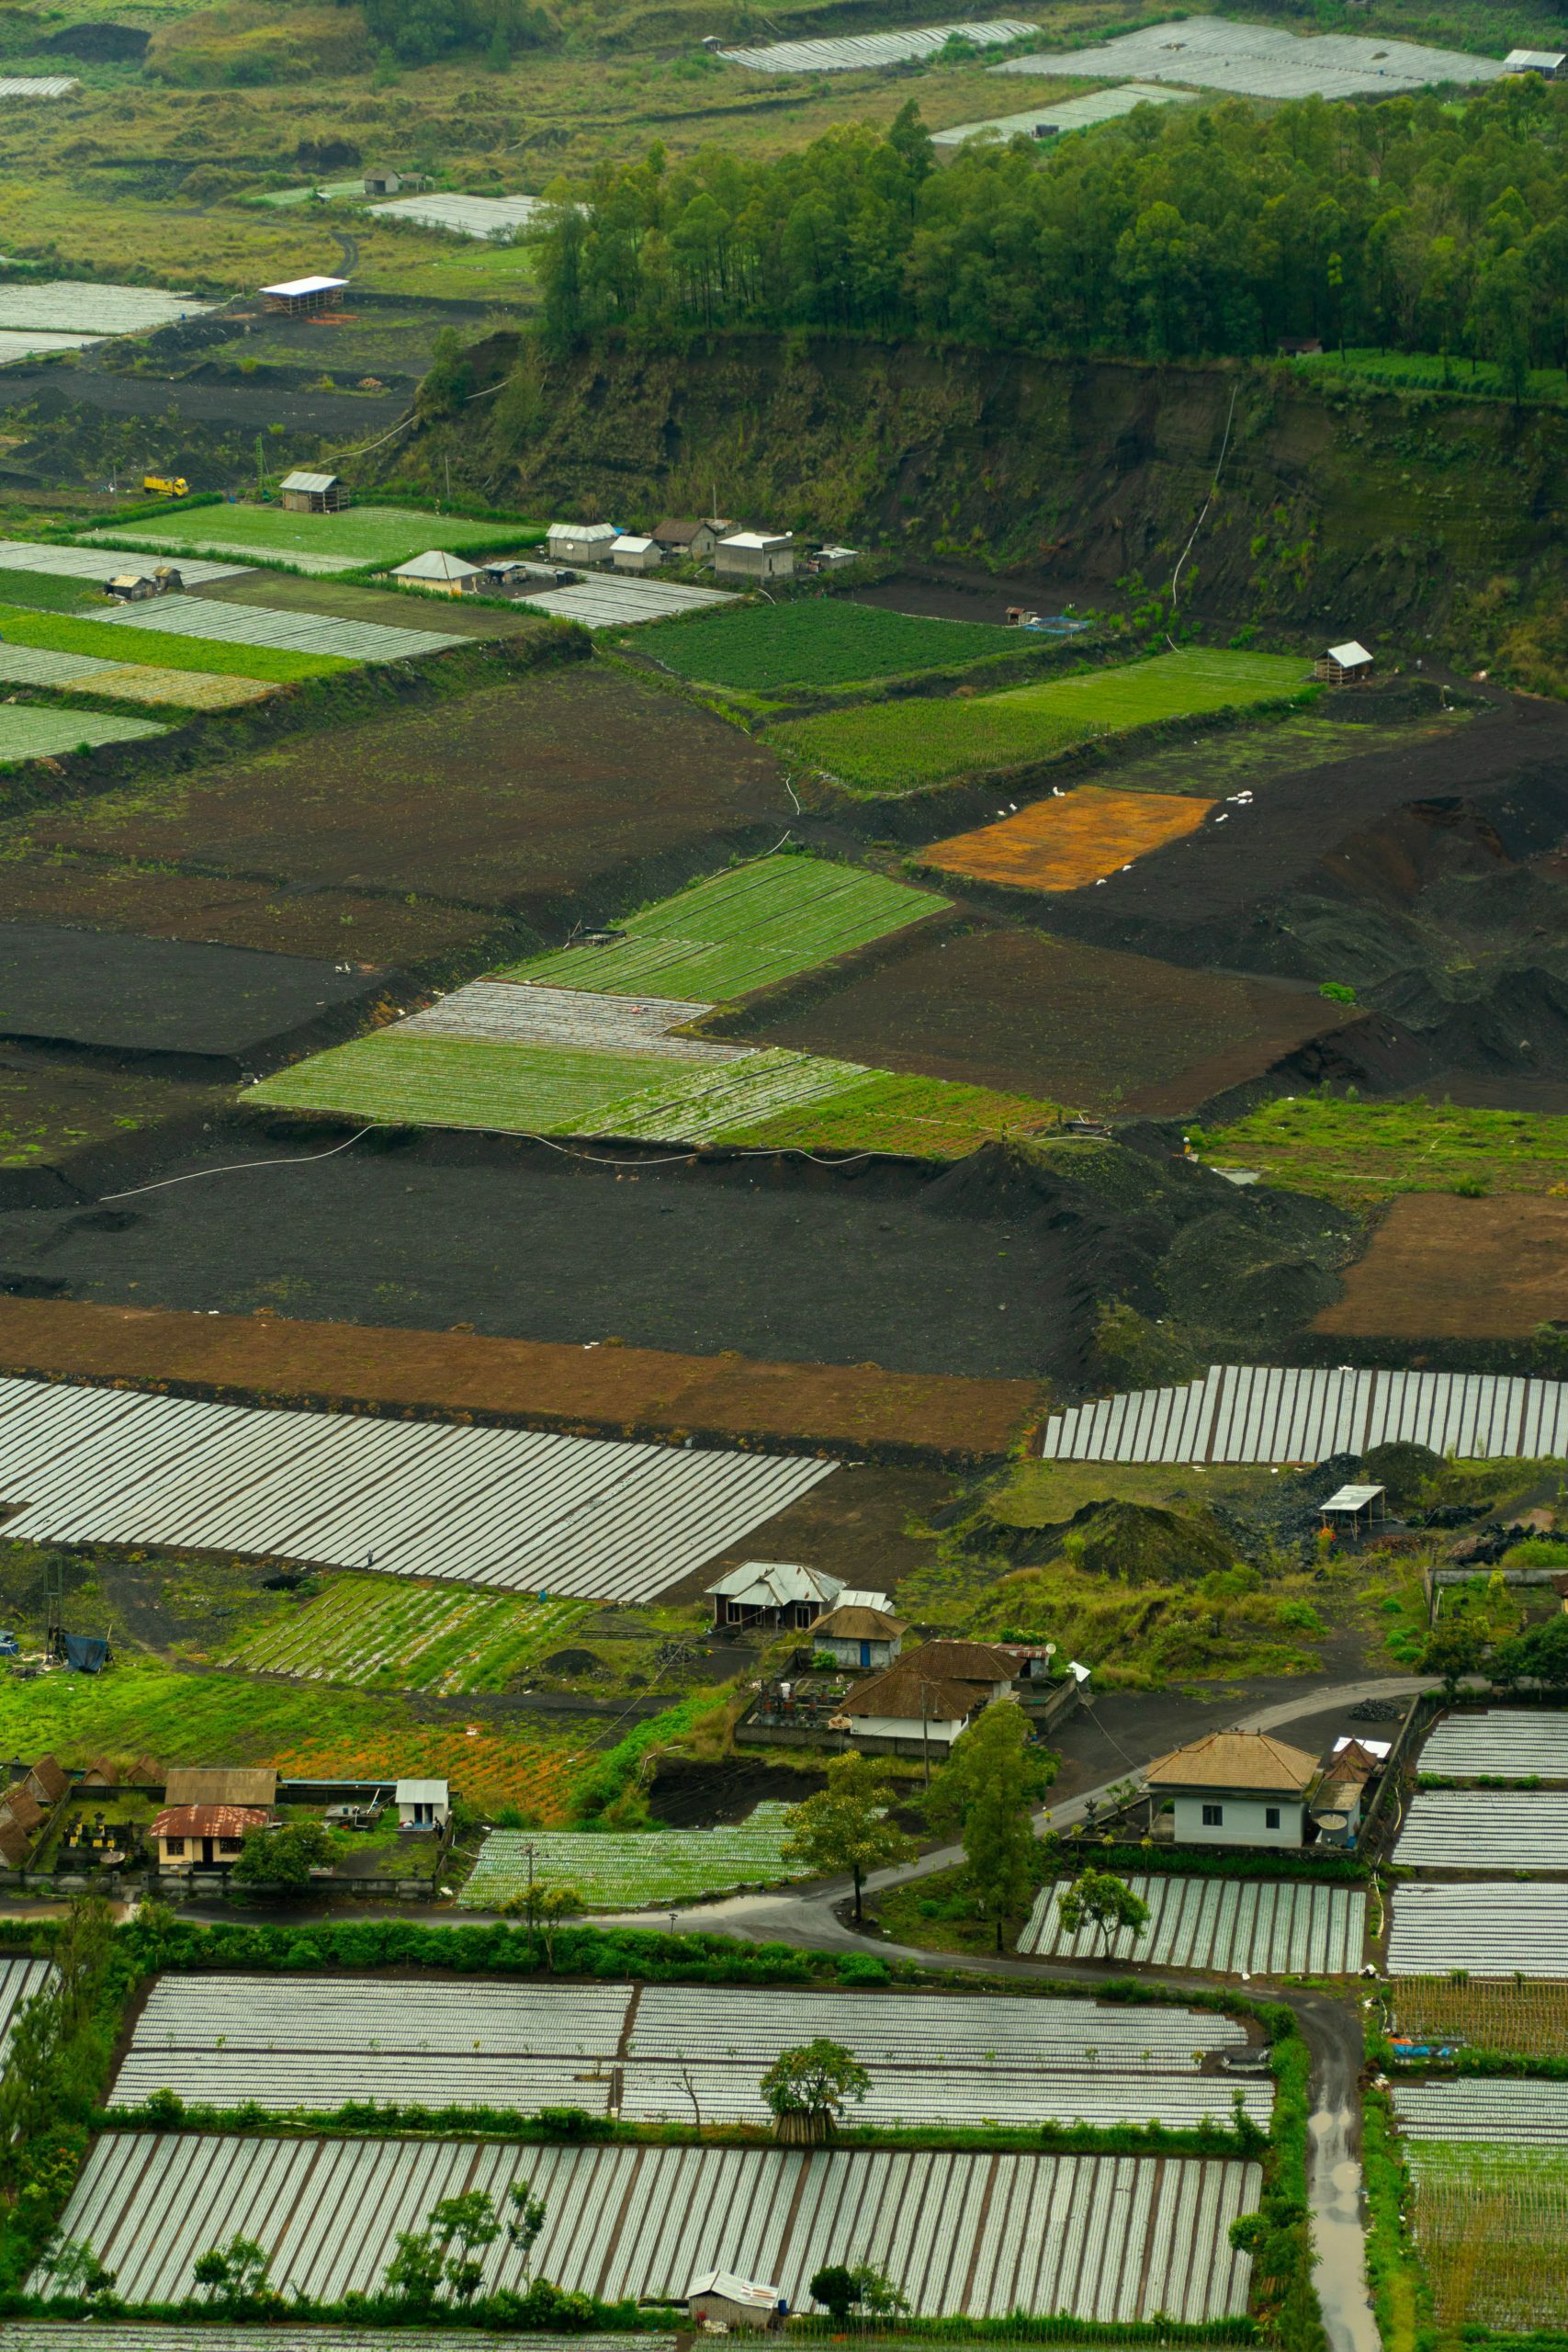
298,480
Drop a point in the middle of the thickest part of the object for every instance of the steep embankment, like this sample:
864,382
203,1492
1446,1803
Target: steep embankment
1361,510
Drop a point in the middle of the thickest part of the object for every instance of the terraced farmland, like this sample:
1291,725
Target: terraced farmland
502,1012
420,1080
1105,2237
265,626
170,646
1490,2223
379,1635
1261,1927
1528,2020
828,643
37,732
627,1870
740,931
901,746
361,535
1515,2112
1445,1830
1063,844
85,674
1499,1744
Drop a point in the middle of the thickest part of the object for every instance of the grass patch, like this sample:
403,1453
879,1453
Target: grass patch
898,747
48,592
930,1118
360,534
1360,1153
36,732
818,642
1436,371
740,931
59,633
637,1867
459,1082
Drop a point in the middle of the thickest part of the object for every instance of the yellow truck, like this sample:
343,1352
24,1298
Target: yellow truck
166,485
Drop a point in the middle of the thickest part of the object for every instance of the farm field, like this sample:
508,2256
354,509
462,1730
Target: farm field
382,1636
109,642
129,681
334,598
268,628
821,642
924,2219
1521,1830
1493,1928
1065,844
160,995
1515,2111
461,1083
747,928
1362,1153
619,1388
1261,1927
1499,1744
51,1112
359,536
901,746
1021,1012
38,732
1488,2224
327,926
1523,2019
631,1870
514,797
142,1708
1437,1268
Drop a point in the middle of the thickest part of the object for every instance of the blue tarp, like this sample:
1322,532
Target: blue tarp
86,1653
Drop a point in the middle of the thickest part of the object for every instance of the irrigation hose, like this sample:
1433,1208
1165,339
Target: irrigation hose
1198,526
234,1168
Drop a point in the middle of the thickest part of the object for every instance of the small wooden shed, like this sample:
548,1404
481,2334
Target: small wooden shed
1344,666
308,493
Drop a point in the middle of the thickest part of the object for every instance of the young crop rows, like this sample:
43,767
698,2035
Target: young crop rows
1105,2237
39,734
854,52
663,2053
628,1869
740,931
1519,2113
1528,2019
1451,1829
1490,2224
1258,1927
1500,1742
501,1012
406,1637
754,648
294,632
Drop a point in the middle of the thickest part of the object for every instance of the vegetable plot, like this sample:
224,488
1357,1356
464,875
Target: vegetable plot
1490,2223
630,1869
392,1637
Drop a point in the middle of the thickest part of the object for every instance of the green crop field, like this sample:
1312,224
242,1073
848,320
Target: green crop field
1363,1152
342,542
625,1872
49,591
900,746
924,1118
827,641
31,732
1432,371
421,1081
60,633
382,1636
1489,2224
739,930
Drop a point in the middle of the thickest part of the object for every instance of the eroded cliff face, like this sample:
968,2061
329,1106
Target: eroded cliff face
1373,510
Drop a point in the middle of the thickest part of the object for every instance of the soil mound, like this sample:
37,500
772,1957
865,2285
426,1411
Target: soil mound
1142,1543
99,44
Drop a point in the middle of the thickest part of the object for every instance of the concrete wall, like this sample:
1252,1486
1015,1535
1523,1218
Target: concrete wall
1244,1823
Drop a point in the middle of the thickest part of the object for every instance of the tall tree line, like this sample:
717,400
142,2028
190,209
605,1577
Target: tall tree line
1412,224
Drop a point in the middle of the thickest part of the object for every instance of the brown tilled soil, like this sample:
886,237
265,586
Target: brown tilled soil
1443,1268
1030,1014
515,797
335,925
620,1390
284,591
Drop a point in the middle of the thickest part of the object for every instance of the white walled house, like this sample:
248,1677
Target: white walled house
1236,1788
581,542
755,555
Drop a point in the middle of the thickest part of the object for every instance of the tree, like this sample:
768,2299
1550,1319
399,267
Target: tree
1540,1655
809,2089
1456,1647
545,1904
235,2274
1100,1899
984,1792
528,2220
75,2269
414,2273
283,1857
845,1827
840,2290
462,2227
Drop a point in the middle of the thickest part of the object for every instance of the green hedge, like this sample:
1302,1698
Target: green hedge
544,2306
1401,2295
1336,1870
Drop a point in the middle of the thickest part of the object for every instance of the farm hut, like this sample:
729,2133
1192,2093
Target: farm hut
835,559
773,1593
446,574
1340,1799
1353,1510
101,1774
299,297
132,587
505,573
48,1782
581,542
308,493
1344,666
860,1637
1547,62
923,1701
1236,1788
690,538
755,555
21,1808
720,2299
632,553
245,1784
423,1805
210,1834
14,1844
1299,347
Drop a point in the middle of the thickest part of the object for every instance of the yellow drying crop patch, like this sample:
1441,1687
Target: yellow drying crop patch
1062,845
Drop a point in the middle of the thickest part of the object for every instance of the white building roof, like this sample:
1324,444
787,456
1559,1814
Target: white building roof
583,531
420,1792
1352,1499
300,480
854,1597
733,2288
636,541
437,564
1349,655
1535,60
757,540
777,1584
297,285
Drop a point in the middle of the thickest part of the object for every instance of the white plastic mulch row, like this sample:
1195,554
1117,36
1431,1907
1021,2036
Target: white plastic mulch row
1467,1829
76,306
1492,1928
296,632
38,86
1070,114
101,563
505,1013
1509,2110
465,216
854,52
1511,1744
157,2335
1231,1927
35,344
594,1518
923,2030
611,601
19,1980
1104,2237
1263,61
1263,1413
